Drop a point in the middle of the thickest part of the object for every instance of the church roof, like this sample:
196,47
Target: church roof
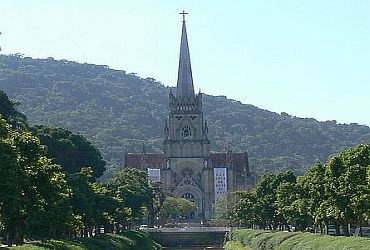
239,160
134,160
185,87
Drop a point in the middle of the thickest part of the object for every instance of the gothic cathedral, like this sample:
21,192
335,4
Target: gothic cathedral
187,168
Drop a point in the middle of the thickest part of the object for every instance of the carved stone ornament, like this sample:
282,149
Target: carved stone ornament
186,181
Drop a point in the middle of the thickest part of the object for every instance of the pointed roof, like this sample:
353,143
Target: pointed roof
185,87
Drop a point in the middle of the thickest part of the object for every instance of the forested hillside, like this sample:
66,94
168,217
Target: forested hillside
119,111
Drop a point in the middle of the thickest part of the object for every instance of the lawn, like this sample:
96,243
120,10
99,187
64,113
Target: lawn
261,239
133,240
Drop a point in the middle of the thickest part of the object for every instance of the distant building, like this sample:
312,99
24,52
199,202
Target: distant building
187,168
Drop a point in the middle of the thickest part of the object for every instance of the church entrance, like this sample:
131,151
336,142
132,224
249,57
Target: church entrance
193,194
191,198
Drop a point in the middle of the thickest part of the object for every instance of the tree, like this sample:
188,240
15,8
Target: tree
245,211
83,199
313,193
176,208
292,206
30,185
355,184
336,193
10,113
267,199
70,150
131,189
93,203
50,214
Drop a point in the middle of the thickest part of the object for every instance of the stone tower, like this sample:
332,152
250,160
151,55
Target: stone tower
186,167
186,146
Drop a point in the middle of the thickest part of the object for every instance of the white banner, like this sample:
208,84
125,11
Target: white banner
220,180
154,174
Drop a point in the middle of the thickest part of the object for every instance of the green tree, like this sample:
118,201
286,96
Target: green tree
292,206
83,199
337,193
93,203
10,113
70,150
245,211
30,185
313,194
354,184
131,189
267,198
50,213
176,208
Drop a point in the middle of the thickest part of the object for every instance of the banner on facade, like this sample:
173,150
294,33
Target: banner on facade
154,174
220,180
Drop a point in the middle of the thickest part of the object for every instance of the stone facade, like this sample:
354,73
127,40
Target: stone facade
187,167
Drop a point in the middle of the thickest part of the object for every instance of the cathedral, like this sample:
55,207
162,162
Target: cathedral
187,167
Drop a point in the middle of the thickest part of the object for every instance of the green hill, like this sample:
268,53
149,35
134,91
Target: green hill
119,111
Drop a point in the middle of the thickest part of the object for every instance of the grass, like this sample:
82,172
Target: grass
134,240
234,245
315,241
260,239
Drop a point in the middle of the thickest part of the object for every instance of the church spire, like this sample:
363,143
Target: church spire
185,87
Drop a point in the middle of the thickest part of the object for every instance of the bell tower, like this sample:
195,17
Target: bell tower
186,130
186,170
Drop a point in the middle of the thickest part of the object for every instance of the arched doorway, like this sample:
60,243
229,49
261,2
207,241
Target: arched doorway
190,197
193,194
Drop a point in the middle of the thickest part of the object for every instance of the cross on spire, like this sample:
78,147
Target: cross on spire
185,88
183,13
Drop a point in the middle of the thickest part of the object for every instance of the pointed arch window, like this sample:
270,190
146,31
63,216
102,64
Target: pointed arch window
186,132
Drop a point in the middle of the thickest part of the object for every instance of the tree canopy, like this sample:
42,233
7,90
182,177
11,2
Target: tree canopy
38,200
175,208
10,113
336,193
33,190
69,149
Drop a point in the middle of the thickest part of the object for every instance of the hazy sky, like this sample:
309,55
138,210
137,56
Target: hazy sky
307,58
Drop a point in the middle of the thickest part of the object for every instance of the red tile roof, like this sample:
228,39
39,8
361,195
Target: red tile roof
239,160
134,160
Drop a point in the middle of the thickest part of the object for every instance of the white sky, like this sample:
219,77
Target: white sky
306,58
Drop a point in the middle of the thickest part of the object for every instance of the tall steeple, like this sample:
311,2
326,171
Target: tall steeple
185,87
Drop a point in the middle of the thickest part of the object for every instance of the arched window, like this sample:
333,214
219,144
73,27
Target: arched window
185,132
188,196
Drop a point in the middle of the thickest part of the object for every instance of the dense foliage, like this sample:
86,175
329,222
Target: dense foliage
175,209
245,239
33,190
40,200
120,111
337,193
10,113
70,150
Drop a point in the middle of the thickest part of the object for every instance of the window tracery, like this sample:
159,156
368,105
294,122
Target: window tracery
186,132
